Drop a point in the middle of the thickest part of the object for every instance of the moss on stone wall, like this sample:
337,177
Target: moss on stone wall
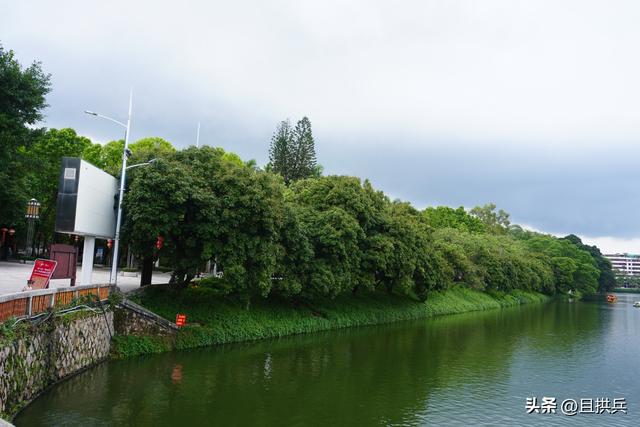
34,356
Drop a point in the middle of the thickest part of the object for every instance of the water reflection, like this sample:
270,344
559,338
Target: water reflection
473,368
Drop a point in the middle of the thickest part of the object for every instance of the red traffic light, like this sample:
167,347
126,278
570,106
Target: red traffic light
159,242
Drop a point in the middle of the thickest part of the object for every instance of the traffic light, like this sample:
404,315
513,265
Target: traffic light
159,242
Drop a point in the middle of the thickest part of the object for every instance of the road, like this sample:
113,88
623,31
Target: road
13,278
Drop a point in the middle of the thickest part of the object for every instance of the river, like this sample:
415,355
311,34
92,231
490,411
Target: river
470,369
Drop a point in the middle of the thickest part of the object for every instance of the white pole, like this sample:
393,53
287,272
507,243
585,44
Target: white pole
198,136
87,260
116,244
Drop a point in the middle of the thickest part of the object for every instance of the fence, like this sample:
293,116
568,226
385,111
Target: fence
31,303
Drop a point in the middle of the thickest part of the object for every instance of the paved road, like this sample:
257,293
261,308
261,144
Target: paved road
13,278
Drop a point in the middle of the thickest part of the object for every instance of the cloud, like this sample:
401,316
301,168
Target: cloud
610,245
529,104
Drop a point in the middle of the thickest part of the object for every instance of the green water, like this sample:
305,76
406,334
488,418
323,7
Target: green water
471,369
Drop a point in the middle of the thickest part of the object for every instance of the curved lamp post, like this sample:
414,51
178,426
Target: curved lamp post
113,279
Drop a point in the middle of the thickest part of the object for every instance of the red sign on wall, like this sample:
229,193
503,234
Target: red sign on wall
181,319
41,274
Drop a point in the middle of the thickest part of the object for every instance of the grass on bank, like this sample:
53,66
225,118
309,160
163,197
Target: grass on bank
214,319
627,290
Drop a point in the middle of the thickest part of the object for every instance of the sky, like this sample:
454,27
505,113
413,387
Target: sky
532,105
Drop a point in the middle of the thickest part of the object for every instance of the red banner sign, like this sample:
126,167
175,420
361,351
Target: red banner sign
41,274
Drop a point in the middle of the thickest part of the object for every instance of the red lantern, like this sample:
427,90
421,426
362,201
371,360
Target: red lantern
181,320
159,242
109,243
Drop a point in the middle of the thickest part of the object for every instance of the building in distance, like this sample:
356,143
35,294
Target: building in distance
625,264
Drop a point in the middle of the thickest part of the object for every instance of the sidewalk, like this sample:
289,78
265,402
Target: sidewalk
13,278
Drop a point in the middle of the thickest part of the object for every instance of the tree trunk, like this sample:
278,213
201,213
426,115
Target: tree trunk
147,271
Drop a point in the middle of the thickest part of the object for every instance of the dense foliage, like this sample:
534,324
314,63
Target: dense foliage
206,204
607,279
22,99
336,235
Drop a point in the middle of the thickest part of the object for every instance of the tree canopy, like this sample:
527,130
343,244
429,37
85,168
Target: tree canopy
22,99
497,222
336,235
444,216
45,157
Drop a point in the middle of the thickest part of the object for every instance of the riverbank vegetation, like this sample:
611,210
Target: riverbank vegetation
336,236
215,319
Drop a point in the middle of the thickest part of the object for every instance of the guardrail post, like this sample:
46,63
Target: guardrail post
30,305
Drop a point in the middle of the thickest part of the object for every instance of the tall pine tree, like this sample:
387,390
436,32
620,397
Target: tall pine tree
292,153
281,151
305,152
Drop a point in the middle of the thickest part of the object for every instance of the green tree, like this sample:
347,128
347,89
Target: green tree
281,151
443,216
163,200
149,148
606,278
412,266
45,157
304,152
22,99
337,213
292,152
496,222
93,154
111,157
206,205
574,268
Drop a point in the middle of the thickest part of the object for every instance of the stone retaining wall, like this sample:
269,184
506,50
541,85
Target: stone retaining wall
49,352
133,319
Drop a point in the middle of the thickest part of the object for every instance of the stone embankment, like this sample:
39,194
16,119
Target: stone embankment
57,345
41,355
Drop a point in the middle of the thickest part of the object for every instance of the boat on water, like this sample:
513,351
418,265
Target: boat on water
612,298
636,304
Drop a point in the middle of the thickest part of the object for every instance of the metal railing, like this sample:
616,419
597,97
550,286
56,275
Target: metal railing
31,303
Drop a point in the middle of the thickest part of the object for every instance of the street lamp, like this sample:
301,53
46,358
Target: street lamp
32,214
150,162
113,279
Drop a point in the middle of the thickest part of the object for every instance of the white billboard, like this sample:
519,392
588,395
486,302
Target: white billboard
86,200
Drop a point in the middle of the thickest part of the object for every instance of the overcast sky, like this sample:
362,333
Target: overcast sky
533,105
